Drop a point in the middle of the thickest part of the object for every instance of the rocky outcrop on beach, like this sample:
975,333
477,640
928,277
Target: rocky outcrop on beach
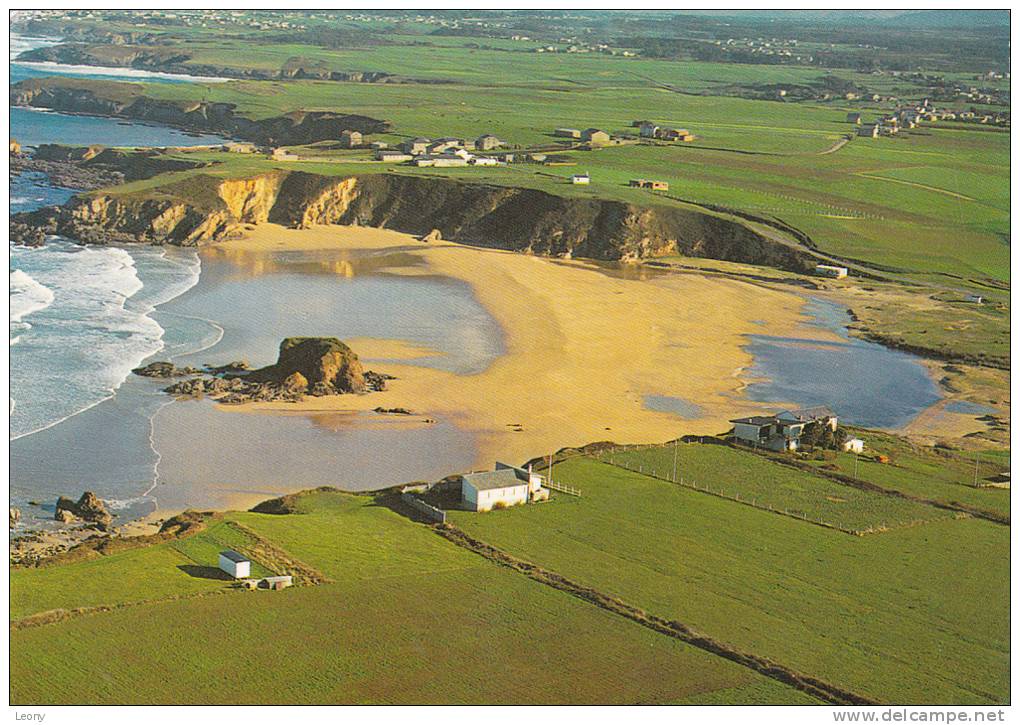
306,366
89,508
165,370
520,219
126,100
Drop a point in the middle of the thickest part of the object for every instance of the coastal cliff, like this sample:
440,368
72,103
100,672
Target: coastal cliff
166,59
126,100
205,208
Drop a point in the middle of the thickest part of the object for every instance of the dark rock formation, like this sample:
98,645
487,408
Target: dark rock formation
88,508
305,362
305,366
164,370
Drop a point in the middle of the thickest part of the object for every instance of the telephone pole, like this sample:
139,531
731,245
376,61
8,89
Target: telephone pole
676,448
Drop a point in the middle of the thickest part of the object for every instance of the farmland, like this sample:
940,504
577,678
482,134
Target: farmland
408,618
905,615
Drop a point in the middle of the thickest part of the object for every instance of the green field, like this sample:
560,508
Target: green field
408,618
912,615
760,482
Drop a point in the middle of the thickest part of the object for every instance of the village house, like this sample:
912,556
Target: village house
582,179
853,445
781,432
415,146
350,139
487,142
440,160
234,564
279,154
505,486
392,155
442,145
595,136
853,118
483,161
239,148
829,270
675,134
868,130
567,133
648,130
650,184
975,299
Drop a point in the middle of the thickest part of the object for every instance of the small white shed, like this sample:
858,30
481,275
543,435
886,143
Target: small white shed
583,179
853,445
237,565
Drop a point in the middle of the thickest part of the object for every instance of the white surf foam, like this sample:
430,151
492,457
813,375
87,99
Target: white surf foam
27,296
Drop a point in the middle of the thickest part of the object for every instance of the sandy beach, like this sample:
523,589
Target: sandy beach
583,346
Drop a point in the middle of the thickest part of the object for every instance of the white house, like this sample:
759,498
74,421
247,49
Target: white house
580,179
235,564
828,270
781,432
853,445
507,485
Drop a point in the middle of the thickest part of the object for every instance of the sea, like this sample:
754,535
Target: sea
81,318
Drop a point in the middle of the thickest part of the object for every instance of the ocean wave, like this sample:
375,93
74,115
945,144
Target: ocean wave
111,71
99,328
27,296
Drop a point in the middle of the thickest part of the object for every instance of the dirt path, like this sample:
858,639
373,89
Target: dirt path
916,185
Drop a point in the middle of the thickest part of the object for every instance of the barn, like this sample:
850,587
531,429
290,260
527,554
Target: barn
234,564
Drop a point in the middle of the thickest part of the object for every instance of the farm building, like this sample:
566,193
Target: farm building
487,142
350,139
505,486
483,161
650,184
567,133
675,134
828,270
239,148
442,145
648,130
277,582
583,179
853,118
416,145
853,445
440,160
976,299
868,130
781,432
234,564
594,136
283,155
392,155
376,145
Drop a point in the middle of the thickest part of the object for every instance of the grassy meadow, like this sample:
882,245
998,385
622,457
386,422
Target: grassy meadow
407,618
912,615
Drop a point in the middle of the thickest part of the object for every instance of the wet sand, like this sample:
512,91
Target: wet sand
583,347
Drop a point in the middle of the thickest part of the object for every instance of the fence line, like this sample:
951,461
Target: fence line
569,490
693,485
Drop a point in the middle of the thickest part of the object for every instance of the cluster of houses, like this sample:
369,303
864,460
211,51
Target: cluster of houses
442,152
906,117
501,488
783,431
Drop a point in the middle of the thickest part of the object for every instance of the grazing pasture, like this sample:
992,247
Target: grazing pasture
917,614
408,618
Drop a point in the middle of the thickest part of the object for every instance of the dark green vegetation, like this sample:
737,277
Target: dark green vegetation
406,618
917,614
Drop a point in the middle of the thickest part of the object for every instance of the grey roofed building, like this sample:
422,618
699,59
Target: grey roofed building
758,420
500,478
234,556
808,414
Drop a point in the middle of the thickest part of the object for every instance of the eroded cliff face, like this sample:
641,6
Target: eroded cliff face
519,219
